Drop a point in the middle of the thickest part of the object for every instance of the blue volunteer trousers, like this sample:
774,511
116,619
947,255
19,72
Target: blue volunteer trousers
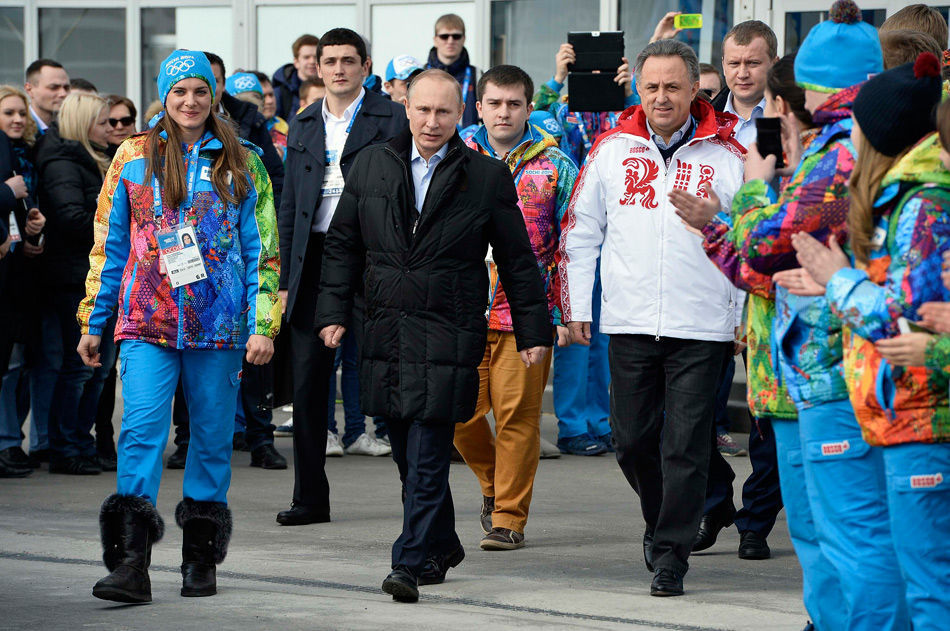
918,496
846,489
582,381
821,585
149,376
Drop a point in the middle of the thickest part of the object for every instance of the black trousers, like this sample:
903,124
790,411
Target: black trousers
312,364
423,453
761,496
667,388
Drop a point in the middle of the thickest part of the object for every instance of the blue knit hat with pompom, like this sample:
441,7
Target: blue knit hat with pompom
840,52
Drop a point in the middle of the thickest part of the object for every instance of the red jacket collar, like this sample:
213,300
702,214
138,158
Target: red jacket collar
709,123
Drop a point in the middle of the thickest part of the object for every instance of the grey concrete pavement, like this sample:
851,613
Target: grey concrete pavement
582,567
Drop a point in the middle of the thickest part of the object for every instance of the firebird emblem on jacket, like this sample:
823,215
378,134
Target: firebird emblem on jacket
639,179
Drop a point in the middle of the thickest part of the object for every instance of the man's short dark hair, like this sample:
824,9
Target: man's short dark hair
342,37
263,78
744,33
506,76
304,40
82,84
904,46
214,60
34,68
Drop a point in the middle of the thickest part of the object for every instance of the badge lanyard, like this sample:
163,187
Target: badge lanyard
355,112
466,84
192,175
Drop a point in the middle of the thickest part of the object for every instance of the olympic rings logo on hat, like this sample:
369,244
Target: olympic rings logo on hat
180,65
244,83
551,125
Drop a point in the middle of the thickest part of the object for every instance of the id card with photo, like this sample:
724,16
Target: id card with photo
15,236
181,257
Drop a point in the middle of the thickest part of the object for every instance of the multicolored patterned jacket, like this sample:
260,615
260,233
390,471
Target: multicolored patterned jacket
581,129
544,178
806,337
896,405
767,396
278,129
238,244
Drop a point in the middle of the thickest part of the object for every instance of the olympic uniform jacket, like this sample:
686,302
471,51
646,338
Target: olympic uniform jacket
806,335
238,244
656,277
544,178
895,404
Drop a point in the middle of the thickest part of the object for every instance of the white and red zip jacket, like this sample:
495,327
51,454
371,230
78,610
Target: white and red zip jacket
656,278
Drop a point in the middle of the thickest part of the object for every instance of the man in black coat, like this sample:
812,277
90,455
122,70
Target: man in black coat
413,228
322,143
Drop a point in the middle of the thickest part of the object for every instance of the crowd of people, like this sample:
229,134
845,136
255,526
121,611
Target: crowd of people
456,238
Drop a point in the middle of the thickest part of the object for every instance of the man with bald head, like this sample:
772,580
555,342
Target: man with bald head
413,228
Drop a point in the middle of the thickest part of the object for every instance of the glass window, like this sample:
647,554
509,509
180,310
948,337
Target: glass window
90,43
166,29
527,33
12,64
798,23
407,29
638,19
275,39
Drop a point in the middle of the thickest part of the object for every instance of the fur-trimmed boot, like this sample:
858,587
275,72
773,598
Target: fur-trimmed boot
206,528
129,525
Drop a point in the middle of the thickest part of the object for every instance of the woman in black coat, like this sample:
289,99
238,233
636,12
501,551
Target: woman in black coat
71,161
21,224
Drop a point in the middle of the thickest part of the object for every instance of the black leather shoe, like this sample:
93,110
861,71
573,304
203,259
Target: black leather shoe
709,527
648,548
266,457
108,461
238,442
12,466
401,584
177,459
298,515
666,583
76,466
438,566
753,547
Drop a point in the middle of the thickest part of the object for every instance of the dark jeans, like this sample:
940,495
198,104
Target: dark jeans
312,364
722,397
761,495
92,396
258,429
347,357
422,452
665,387
70,419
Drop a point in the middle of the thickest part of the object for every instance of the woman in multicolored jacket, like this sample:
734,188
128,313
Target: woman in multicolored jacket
837,567
899,224
186,249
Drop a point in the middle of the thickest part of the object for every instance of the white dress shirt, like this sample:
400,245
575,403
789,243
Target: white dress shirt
335,136
422,170
745,128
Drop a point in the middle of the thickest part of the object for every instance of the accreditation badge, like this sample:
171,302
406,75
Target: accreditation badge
15,236
180,255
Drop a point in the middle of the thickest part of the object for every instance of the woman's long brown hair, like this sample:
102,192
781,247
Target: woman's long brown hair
171,177
870,167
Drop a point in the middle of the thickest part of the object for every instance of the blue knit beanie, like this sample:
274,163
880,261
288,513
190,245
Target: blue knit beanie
241,82
840,52
184,64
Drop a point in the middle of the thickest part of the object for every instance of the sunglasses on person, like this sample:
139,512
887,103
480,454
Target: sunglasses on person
125,120
446,36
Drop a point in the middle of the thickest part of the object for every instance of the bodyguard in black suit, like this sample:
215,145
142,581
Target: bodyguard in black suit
322,143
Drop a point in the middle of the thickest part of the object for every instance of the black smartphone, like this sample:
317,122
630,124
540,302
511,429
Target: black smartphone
769,138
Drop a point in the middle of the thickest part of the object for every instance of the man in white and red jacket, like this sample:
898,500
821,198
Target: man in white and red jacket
670,313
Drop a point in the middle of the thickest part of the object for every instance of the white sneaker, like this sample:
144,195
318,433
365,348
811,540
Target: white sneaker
287,408
366,445
287,429
334,448
549,450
